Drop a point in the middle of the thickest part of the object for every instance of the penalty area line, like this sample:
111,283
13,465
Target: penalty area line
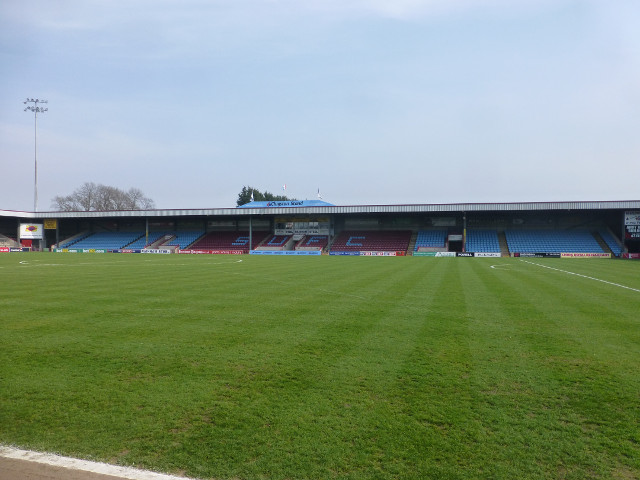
583,276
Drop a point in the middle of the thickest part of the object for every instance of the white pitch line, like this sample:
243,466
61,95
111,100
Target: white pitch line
121,264
583,276
501,265
84,465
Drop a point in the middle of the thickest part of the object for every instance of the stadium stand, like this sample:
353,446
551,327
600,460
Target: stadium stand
312,242
105,240
612,242
552,241
376,241
238,241
6,241
482,241
428,239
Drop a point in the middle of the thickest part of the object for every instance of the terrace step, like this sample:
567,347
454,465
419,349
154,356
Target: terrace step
504,246
602,243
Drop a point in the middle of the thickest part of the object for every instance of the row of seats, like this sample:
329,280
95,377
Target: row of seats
313,242
359,240
105,240
611,241
133,240
185,238
529,241
430,239
144,241
238,241
482,241
276,242
477,240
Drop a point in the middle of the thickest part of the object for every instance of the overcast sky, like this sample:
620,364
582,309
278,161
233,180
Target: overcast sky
370,101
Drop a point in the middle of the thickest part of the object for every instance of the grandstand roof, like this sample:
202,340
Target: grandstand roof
347,209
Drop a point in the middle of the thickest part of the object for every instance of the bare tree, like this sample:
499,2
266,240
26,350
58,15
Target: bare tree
95,197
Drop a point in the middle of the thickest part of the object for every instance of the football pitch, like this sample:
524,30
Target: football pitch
251,367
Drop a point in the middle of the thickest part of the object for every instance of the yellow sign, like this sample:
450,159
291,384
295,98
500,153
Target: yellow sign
51,224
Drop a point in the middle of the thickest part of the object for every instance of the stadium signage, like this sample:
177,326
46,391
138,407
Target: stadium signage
633,231
464,254
285,252
285,204
632,218
155,250
537,254
4,249
632,255
31,231
212,252
301,231
585,255
487,254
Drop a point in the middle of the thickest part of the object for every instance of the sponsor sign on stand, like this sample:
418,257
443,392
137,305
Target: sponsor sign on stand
631,255
585,255
351,254
632,218
31,231
488,254
632,232
4,249
464,254
155,250
537,254
632,225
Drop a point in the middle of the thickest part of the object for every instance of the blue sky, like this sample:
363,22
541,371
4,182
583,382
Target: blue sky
370,101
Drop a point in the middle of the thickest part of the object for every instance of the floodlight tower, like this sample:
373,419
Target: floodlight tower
33,105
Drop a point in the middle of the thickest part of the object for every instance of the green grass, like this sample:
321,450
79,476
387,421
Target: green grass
324,367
